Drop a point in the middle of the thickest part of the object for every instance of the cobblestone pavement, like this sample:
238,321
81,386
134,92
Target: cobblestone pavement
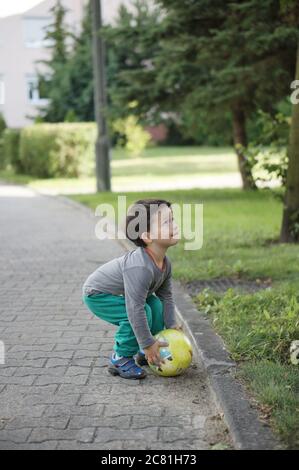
55,391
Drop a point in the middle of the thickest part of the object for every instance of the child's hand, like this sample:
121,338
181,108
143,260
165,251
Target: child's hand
178,327
152,353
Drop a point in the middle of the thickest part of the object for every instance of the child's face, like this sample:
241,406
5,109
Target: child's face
164,230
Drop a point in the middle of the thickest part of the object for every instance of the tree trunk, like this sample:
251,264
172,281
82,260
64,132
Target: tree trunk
240,138
290,220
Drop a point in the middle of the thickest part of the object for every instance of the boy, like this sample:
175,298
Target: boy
134,290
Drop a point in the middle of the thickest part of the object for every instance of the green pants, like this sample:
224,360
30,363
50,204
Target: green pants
112,309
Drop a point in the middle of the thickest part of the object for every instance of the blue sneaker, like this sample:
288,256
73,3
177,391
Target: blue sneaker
126,368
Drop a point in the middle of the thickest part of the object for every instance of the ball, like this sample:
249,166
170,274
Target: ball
177,355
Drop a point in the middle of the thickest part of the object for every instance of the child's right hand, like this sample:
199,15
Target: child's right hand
152,353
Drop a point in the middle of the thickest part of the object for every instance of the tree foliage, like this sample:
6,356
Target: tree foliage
54,78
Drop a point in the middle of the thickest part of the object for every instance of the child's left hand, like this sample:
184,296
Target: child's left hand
178,327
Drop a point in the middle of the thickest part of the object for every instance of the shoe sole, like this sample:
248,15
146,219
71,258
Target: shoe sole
115,372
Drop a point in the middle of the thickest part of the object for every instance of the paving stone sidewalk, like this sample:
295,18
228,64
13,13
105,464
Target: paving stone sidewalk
55,391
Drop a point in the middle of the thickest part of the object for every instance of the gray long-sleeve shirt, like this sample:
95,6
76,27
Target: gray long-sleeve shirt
136,275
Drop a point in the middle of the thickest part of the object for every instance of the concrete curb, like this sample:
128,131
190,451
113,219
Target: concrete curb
247,431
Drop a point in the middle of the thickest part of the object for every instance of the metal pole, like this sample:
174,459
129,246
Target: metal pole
103,175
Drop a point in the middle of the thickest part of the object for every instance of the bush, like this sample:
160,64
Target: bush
255,326
11,150
3,162
2,124
57,150
71,116
132,135
267,154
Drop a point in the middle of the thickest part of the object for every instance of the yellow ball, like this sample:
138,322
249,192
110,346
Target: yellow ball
177,355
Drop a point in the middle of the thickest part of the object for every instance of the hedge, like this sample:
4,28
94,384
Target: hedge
10,149
54,150
2,155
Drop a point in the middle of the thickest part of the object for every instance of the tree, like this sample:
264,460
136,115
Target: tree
134,47
79,73
132,44
213,58
228,56
55,79
290,221
129,44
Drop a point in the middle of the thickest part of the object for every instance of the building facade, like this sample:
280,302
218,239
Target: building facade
22,45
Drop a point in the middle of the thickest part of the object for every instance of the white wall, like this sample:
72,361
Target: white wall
18,61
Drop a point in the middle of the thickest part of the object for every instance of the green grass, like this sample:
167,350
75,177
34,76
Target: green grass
161,167
10,177
258,330
241,230
175,151
276,386
244,226
183,161
263,324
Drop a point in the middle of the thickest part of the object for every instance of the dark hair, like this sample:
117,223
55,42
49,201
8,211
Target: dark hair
134,212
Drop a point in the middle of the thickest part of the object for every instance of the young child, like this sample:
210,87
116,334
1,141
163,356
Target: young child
134,291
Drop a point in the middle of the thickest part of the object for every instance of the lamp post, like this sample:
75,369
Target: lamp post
103,175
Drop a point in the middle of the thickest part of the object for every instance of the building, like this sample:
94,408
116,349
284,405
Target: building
22,44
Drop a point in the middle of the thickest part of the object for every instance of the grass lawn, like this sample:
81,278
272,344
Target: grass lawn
158,168
241,230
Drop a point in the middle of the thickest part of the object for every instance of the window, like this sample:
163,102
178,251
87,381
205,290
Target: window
2,90
36,89
34,29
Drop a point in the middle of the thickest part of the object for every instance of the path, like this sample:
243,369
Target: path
55,391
